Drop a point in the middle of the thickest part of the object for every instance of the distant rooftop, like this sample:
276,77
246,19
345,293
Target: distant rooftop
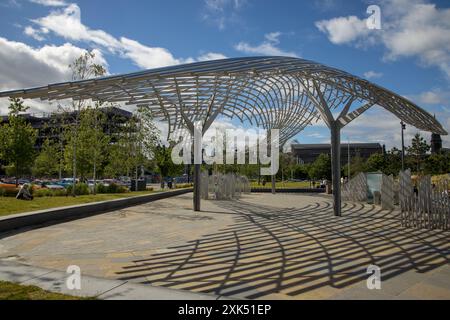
327,145
46,115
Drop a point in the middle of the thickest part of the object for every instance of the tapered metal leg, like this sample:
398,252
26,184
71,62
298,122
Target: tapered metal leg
197,187
336,166
273,184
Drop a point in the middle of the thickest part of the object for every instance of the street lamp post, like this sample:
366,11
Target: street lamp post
348,159
403,127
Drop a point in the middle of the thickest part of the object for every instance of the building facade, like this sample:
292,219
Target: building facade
49,125
308,153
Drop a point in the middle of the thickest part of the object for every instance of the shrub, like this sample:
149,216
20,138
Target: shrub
115,188
8,192
112,188
50,193
183,185
100,188
80,189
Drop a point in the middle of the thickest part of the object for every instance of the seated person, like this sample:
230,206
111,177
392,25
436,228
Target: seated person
24,193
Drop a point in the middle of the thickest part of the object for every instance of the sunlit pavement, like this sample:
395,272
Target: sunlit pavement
264,246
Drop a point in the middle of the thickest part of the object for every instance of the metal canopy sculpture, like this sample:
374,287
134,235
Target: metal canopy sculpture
269,92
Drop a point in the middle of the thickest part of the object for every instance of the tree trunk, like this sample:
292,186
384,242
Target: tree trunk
74,170
17,175
95,177
136,181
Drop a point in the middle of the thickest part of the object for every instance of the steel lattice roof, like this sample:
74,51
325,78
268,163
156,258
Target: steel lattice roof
270,92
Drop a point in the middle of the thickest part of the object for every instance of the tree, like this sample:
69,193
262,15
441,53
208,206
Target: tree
437,164
17,139
301,171
393,162
376,162
93,138
47,162
321,168
84,67
417,151
163,161
134,146
287,163
357,165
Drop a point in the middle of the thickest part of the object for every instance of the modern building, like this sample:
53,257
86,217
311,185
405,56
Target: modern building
308,153
49,124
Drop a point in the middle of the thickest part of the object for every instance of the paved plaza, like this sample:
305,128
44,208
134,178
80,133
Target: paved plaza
264,246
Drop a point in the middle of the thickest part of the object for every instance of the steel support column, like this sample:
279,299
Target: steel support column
273,184
336,166
197,172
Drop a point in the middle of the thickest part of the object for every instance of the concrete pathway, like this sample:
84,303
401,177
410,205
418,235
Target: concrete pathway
104,289
264,246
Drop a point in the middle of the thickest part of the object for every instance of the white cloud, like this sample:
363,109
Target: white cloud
273,37
147,57
432,97
222,12
372,74
386,130
36,34
50,3
268,47
409,29
24,66
211,56
343,29
67,23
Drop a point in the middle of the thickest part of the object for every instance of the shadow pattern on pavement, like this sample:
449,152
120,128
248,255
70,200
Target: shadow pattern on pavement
271,251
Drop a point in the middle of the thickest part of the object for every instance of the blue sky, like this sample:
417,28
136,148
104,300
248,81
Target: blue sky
409,55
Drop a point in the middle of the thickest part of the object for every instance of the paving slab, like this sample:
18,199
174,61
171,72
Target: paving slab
104,289
263,246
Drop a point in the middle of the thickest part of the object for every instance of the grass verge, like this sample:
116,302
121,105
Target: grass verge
12,291
10,205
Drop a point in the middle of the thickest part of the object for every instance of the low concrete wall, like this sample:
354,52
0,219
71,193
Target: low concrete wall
293,190
53,216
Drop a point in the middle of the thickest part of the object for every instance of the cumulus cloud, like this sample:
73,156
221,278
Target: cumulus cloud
211,56
147,57
269,47
36,34
50,3
434,97
222,12
386,130
343,29
66,23
24,66
372,74
409,29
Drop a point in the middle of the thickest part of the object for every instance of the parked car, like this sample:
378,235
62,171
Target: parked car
66,182
23,181
51,185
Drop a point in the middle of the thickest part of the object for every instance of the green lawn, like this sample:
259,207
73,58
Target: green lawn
10,205
12,291
286,184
